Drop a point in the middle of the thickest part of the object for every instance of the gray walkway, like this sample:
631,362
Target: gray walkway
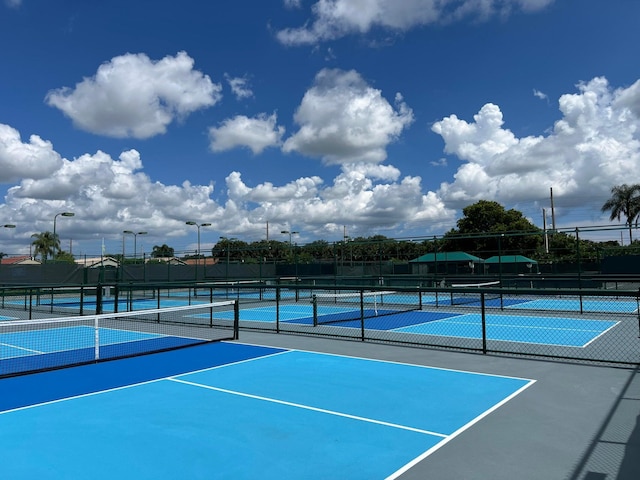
577,422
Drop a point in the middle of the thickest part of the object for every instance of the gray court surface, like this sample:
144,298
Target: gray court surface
577,422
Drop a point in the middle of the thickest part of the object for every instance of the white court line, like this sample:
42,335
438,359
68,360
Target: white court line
308,407
441,444
377,360
20,348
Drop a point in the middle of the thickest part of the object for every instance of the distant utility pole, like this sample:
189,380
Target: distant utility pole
553,212
544,229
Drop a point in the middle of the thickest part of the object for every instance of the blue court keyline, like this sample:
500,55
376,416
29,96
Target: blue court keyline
135,384
69,382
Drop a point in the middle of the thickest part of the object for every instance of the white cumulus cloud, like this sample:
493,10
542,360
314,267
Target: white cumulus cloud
109,195
35,159
239,86
134,96
344,120
595,145
336,18
255,133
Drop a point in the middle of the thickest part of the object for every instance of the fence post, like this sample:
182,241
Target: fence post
99,299
484,324
236,320
638,310
278,309
362,314
314,303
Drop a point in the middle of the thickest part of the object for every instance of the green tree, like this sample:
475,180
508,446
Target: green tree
64,257
162,251
486,227
320,249
46,244
624,201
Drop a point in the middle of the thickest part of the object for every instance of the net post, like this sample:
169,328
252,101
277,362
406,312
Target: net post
314,302
81,299
484,324
210,316
420,298
236,320
96,338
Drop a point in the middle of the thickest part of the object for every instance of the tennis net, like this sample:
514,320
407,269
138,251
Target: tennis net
470,293
28,346
336,307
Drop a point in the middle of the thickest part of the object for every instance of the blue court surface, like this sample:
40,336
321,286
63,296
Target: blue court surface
575,305
515,327
228,410
568,332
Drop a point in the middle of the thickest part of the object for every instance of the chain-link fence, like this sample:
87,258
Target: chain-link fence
589,325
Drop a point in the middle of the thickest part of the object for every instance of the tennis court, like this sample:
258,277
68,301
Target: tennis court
227,410
518,327
559,331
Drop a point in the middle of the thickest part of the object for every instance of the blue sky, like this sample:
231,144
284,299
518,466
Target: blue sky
316,116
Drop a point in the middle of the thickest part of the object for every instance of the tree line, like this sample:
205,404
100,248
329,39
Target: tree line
485,229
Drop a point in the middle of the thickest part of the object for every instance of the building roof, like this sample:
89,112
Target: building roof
169,260
510,259
202,261
20,260
447,257
94,262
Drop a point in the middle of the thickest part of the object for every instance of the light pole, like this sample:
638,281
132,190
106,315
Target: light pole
33,235
135,242
55,217
226,247
198,225
294,260
290,233
6,225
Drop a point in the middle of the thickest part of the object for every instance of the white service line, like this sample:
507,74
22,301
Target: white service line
307,407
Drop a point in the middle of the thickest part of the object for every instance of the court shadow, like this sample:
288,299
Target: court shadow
614,453
630,465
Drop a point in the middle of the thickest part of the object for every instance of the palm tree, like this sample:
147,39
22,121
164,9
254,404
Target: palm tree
624,201
45,243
